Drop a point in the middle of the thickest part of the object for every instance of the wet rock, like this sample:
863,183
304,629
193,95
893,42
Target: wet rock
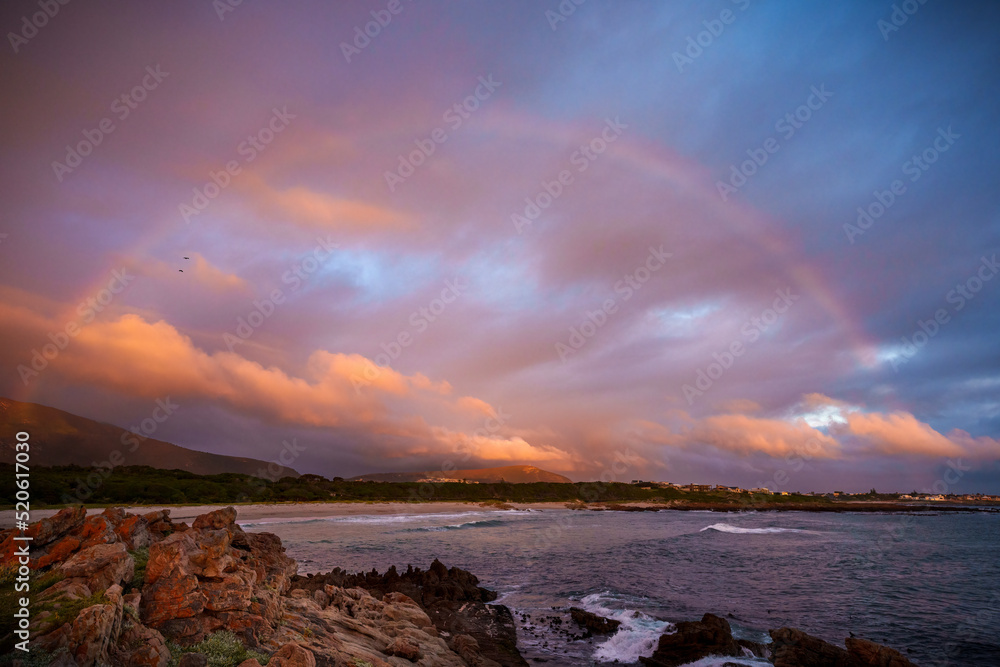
693,641
794,648
870,654
593,622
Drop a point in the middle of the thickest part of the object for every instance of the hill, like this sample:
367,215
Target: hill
512,474
60,439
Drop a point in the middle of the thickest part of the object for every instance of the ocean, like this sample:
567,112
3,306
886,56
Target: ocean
927,585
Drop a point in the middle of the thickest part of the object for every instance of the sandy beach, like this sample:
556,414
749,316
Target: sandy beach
247,513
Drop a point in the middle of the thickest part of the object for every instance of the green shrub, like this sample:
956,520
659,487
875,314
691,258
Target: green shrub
141,558
223,649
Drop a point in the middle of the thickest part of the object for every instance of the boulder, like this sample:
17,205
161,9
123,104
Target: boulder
870,654
101,566
596,624
693,641
194,660
96,629
214,576
140,646
794,648
292,655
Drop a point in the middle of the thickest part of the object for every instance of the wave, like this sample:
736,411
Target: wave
377,519
729,528
637,636
485,523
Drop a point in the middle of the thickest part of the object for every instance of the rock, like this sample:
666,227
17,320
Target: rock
450,598
870,654
794,648
693,641
401,648
95,629
593,622
468,648
292,655
217,520
140,646
195,660
57,525
251,662
101,565
133,530
214,576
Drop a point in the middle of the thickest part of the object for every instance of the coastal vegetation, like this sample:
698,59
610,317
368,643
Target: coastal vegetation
58,486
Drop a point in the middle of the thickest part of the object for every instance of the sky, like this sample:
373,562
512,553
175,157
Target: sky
734,242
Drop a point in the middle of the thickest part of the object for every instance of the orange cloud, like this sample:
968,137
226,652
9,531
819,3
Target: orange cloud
309,208
899,433
775,437
744,435
131,355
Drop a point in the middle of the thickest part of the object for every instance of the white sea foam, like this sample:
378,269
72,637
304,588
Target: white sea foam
728,528
716,661
637,635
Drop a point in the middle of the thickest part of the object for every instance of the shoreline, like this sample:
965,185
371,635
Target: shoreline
254,512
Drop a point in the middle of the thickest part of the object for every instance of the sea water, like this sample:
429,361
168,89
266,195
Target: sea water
925,584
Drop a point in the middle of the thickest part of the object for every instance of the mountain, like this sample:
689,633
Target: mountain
513,474
60,438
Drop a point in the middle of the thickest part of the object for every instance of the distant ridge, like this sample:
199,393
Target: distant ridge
512,474
60,438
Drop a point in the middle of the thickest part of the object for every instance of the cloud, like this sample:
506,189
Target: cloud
745,435
197,269
309,208
900,433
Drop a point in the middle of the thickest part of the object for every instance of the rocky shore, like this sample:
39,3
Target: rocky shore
126,590
138,590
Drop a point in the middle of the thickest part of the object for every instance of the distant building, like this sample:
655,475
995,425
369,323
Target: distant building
763,490
700,488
